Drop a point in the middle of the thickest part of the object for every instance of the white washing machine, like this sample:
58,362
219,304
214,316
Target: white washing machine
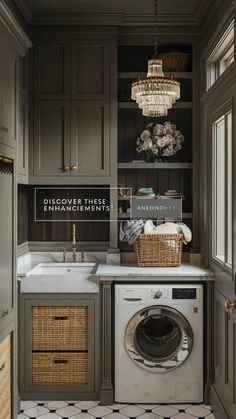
159,343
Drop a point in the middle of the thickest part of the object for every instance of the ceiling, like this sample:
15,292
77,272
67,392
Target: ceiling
192,10
113,6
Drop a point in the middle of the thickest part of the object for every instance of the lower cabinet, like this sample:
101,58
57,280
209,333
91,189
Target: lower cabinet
5,378
59,346
223,394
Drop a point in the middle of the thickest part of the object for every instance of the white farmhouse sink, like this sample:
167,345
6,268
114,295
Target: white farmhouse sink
61,277
63,268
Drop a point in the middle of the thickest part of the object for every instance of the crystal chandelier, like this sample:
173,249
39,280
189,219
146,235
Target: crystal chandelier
155,94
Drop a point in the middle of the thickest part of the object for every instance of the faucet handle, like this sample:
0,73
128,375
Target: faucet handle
64,250
82,257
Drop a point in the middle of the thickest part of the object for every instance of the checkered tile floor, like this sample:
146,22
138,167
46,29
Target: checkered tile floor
92,410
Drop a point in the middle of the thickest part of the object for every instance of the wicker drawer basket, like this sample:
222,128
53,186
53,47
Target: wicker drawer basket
59,368
158,249
5,378
175,61
60,328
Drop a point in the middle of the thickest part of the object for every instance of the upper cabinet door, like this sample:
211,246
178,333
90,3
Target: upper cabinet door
89,138
52,69
51,152
8,90
90,75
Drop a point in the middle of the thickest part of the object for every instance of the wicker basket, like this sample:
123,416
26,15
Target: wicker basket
60,328
59,368
158,249
5,378
175,61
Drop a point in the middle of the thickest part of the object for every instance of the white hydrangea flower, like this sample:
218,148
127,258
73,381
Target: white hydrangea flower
145,135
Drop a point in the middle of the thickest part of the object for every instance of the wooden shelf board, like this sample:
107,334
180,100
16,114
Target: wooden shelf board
125,215
136,75
141,165
133,105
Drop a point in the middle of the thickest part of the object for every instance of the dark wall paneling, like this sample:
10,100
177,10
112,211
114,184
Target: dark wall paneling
30,230
131,123
135,58
22,227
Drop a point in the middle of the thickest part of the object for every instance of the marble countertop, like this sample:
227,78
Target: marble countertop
131,272
184,272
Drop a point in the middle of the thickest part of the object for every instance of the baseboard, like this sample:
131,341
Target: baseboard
218,406
59,396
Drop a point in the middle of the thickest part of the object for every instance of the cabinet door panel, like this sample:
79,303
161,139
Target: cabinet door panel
90,62
225,354
9,89
52,70
7,277
22,146
90,138
51,138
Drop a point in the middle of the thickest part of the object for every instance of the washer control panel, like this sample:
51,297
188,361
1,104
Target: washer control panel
158,293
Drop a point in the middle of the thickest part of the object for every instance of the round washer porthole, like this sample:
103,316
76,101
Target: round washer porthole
158,338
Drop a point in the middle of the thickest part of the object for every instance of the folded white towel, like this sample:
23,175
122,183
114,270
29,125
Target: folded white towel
130,230
168,228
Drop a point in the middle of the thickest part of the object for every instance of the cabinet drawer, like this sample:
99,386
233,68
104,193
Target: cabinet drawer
5,378
59,368
60,328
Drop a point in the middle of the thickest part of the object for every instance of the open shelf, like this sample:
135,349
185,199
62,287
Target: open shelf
137,165
132,105
136,75
126,216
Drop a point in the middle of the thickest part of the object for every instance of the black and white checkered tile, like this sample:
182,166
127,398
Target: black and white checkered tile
92,410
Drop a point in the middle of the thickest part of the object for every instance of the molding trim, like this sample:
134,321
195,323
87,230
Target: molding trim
217,405
194,19
112,19
14,28
219,31
222,83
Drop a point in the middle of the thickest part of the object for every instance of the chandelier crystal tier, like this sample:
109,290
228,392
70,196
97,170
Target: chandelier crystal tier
155,94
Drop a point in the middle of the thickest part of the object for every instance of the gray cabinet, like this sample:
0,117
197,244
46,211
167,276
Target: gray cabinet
8,88
72,110
22,129
7,236
59,346
224,358
51,69
90,61
90,138
51,148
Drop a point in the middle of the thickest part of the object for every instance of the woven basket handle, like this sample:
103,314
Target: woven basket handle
60,318
61,361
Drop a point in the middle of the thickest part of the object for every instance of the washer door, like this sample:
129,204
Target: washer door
158,338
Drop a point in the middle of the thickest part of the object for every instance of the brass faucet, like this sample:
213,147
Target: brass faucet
73,243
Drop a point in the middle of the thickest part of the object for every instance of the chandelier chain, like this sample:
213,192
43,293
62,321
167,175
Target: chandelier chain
155,29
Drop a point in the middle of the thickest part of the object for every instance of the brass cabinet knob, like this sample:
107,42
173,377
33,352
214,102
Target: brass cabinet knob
66,168
4,129
74,168
230,305
4,313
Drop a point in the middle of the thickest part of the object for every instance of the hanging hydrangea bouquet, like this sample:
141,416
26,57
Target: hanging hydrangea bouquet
158,142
